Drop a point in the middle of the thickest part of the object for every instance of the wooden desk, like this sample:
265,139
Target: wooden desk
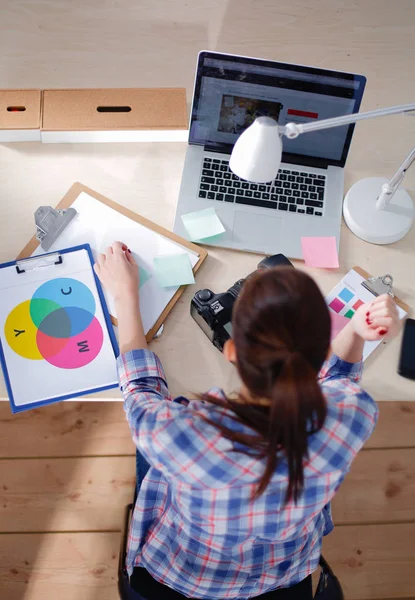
146,178
119,46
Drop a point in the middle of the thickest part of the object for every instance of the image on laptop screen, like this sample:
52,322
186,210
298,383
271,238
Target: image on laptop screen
231,92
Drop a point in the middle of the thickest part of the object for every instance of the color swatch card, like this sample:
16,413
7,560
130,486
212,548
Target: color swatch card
345,299
56,336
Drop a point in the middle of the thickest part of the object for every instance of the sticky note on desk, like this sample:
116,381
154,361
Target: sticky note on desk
173,270
320,252
202,224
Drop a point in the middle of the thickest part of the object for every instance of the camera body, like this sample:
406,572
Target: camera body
213,312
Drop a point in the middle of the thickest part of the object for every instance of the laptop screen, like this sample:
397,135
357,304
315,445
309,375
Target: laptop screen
232,91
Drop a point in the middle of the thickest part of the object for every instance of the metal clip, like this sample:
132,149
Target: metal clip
379,285
50,223
37,262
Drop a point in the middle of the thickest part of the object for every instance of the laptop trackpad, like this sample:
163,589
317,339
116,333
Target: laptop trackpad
258,233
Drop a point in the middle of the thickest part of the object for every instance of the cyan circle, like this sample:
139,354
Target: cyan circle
66,291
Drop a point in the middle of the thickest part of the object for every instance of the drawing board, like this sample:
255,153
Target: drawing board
99,224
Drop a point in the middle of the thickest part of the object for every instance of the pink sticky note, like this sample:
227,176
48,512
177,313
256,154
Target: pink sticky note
337,323
320,252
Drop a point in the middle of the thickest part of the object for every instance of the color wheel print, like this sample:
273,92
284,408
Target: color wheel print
57,325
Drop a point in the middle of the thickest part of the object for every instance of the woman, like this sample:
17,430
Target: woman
236,501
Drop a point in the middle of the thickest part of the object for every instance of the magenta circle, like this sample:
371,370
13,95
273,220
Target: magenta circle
81,349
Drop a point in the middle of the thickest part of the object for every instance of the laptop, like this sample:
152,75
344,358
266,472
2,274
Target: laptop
306,197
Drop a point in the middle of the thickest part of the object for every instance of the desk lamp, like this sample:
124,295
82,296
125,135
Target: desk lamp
367,209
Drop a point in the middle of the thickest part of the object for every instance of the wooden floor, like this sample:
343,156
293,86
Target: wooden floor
68,472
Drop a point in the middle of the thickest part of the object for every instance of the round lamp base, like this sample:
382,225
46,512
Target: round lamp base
371,224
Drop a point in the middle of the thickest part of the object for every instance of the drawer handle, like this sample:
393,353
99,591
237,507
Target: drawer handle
114,109
16,108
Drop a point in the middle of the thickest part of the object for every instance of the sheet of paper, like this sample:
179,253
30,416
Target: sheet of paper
202,224
99,226
320,252
173,269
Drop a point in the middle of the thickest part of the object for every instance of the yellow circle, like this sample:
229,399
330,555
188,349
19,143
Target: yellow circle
20,332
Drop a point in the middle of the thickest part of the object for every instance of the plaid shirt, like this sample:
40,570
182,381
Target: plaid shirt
194,526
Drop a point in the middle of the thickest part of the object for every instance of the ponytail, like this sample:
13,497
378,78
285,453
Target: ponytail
280,344
298,409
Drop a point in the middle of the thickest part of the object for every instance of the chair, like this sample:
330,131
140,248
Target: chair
124,589
328,587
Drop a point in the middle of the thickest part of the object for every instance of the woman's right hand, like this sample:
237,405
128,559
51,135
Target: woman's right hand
377,320
118,272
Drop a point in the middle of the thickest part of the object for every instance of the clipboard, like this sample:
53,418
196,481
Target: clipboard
358,287
73,194
56,328
369,277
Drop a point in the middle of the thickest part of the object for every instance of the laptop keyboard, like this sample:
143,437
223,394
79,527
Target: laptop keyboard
292,191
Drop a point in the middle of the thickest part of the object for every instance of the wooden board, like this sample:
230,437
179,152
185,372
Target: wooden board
65,494
66,429
379,488
373,562
70,198
100,428
82,494
67,566
395,427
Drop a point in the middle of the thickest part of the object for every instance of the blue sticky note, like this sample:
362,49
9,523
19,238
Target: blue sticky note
202,224
144,276
173,270
346,295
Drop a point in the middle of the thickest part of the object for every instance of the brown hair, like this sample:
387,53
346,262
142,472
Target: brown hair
281,331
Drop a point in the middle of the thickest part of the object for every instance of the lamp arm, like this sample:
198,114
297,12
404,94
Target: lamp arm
293,130
390,187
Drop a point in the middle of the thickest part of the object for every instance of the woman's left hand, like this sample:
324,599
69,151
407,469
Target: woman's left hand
377,320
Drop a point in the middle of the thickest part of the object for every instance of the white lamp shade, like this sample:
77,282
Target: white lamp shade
256,155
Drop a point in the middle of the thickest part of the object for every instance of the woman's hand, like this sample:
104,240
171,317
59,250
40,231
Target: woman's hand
377,320
118,272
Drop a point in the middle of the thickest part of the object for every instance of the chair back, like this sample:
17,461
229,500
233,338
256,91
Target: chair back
328,587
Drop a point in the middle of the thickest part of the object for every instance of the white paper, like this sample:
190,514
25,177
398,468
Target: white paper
99,226
34,380
353,282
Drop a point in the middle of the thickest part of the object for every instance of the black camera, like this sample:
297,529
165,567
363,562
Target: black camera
213,312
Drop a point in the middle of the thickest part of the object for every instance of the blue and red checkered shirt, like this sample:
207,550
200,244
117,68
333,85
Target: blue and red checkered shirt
194,526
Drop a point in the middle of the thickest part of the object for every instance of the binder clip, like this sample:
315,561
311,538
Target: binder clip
50,223
36,262
379,285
